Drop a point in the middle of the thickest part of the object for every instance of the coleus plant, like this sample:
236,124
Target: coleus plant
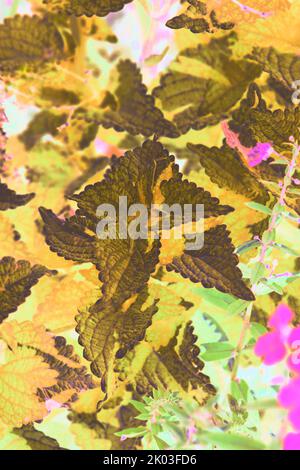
145,175
154,321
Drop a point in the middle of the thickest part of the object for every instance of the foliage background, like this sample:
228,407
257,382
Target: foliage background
49,399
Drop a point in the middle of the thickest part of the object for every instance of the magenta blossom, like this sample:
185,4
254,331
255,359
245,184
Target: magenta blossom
254,155
289,394
272,346
282,316
284,340
259,153
289,397
292,441
294,345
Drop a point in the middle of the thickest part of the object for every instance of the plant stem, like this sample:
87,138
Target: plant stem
274,219
240,345
250,9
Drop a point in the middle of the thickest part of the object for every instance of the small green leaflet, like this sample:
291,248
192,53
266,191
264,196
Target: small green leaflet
257,330
259,207
227,441
247,246
217,351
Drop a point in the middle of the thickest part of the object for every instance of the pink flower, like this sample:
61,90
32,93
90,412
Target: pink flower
289,395
259,153
282,316
292,441
294,416
272,346
294,344
254,155
191,431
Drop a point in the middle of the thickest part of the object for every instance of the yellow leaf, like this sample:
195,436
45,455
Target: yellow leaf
79,285
172,311
27,334
87,438
270,32
20,378
247,11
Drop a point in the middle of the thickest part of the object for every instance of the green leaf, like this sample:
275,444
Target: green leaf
263,404
161,444
284,279
217,351
258,272
269,236
257,330
245,247
262,289
142,417
239,390
290,216
207,328
141,407
228,441
215,297
237,307
259,207
132,432
275,283
286,249
246,270
273,286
